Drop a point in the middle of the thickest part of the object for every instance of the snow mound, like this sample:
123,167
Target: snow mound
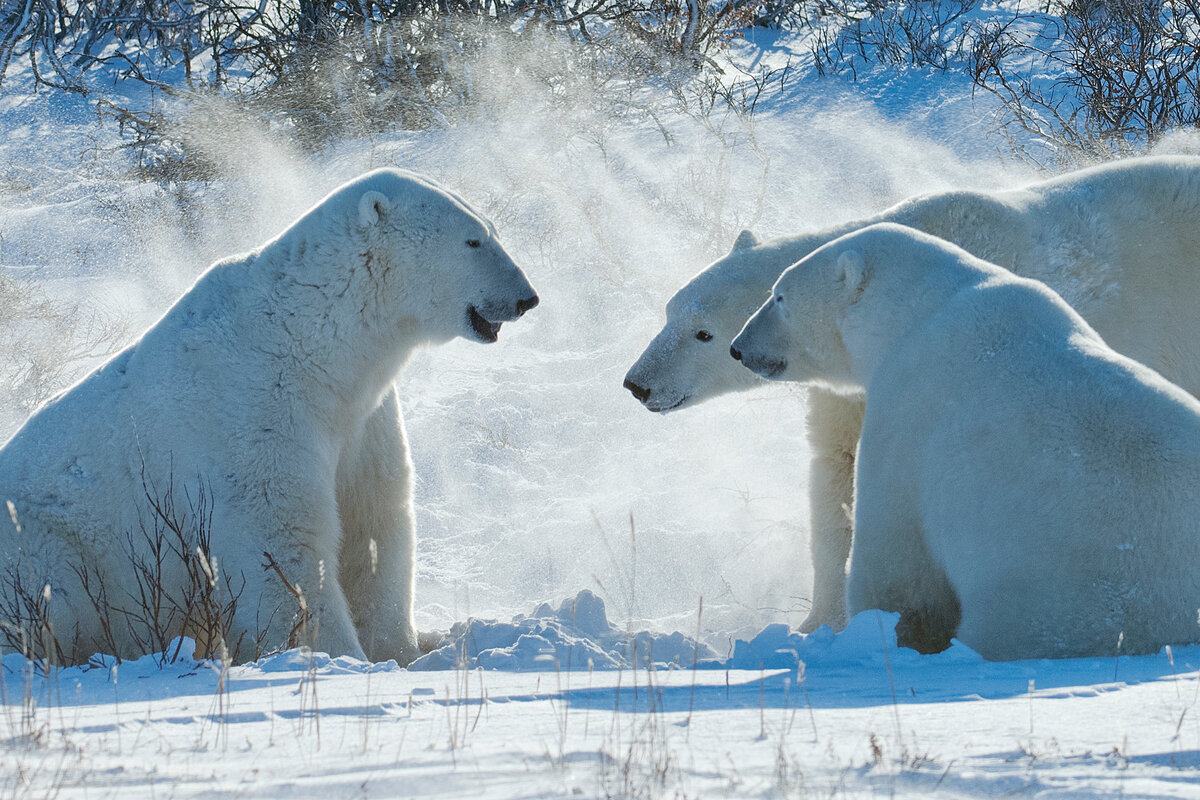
869,638
575,636
578,636
300,659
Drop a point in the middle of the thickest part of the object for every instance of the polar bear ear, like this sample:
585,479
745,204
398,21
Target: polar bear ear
745,240
852,271
372,207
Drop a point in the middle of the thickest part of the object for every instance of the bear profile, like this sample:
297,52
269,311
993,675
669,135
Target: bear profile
259,415
1119,242
1019,483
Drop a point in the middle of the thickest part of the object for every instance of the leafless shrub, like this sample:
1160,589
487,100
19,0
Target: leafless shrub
171,543
157,154
739,93
320,63
1104,78
304,623
926,33
27,627
177,589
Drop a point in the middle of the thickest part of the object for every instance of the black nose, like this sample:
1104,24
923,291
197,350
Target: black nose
526,304
733,351
639,392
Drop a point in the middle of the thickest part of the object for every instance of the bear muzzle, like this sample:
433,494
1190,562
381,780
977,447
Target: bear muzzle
658,405
768,368
485,319
640,392
526,304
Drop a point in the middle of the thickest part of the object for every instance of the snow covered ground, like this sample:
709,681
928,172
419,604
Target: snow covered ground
539,476
861,718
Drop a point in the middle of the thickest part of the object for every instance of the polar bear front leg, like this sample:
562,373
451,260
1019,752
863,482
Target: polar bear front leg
834,425
289,547
891,568
378,564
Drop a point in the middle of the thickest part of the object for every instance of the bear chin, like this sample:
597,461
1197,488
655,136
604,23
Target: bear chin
672,407
768,368
482,330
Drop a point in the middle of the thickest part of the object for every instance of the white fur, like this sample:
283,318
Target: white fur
269,387
1019,483
1120,242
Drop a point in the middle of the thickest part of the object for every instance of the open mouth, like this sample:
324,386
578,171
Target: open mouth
484,330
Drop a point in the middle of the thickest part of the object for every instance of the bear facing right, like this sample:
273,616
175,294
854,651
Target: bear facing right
1020,485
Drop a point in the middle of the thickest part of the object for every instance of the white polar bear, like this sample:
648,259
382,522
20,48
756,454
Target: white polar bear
266,393
1120,242
1020,484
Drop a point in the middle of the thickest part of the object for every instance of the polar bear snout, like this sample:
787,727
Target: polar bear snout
526,304
656,400
497,311
640,392
500,292
745,351
764,366
484,319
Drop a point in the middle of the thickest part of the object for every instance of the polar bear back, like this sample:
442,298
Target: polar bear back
1119,243
81,469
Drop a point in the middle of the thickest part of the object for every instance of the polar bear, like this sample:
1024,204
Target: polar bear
1120,242
1019,483
261,407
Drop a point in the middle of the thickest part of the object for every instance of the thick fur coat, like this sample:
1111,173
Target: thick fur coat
259,416
1020,484
1120,243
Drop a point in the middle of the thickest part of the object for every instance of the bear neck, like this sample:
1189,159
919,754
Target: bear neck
896,303
341,342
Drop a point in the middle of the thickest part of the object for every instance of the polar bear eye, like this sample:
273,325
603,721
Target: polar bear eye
704,336
473,243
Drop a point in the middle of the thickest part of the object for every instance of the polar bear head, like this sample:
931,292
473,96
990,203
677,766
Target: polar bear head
434,266
687,362
796,334
835,314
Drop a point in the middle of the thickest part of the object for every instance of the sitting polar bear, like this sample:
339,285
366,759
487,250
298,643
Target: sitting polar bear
1120,242
263,404
1020,484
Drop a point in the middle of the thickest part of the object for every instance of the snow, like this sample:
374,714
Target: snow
567,536
858,718
576,635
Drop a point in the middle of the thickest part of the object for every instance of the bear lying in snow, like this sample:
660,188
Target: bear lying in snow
1120,242
258,413
1020,484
